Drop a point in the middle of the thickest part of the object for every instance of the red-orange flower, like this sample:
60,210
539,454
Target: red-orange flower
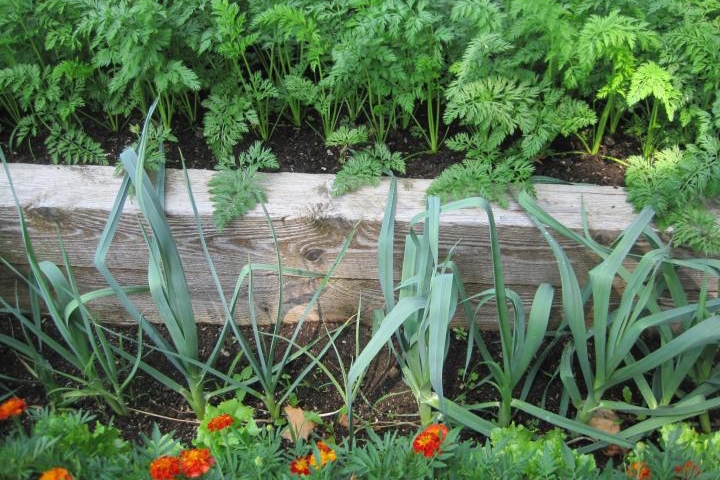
638,471
688,470
12,407
165,468
220,422
300,466
428,441
56,473
196,462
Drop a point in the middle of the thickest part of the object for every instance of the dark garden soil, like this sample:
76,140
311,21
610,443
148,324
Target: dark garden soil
385,402
303,151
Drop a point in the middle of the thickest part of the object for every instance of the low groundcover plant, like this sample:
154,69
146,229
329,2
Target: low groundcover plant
61,446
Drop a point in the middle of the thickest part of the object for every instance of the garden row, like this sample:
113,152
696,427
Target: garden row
229,444
509,76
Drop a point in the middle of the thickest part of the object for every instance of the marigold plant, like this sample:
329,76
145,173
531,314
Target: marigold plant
428,441
688,470
56,473
220,422
196,462
12,407
165,468
301,465
639,471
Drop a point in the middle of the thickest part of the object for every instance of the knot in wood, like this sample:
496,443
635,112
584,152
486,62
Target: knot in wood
314,254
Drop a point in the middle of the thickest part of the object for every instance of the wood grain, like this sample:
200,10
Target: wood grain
311,226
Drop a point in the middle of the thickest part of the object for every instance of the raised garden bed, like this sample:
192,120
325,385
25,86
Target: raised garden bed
311,225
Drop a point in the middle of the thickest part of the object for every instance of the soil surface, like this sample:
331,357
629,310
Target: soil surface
303,151
385,402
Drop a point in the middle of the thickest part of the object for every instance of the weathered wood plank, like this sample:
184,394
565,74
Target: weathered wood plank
311,226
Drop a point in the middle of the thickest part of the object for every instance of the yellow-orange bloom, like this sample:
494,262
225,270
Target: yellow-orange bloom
220,422
301,466
196,462
327,454
56,473
12,407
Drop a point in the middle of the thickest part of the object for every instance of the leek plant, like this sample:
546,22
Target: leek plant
418,321
263,351
168,285
98,369
419,317
610,351
521,336
167,282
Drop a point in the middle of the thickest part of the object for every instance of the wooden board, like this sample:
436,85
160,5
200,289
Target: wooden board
311,226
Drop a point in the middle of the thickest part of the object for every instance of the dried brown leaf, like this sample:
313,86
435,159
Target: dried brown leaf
298,426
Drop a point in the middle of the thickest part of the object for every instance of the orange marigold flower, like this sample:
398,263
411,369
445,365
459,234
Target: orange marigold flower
56,473
428,441
12,407
220,422
688,470
437,429
327,454
638,471
196,462
323,447
300,466
165,468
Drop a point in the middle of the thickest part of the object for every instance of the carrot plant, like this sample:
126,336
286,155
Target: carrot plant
605,56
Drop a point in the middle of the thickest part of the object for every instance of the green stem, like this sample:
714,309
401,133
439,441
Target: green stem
504,409
602,124
585,413
426,414
116,404
587,152
196,398
705,423
648,146
272,406
433,121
